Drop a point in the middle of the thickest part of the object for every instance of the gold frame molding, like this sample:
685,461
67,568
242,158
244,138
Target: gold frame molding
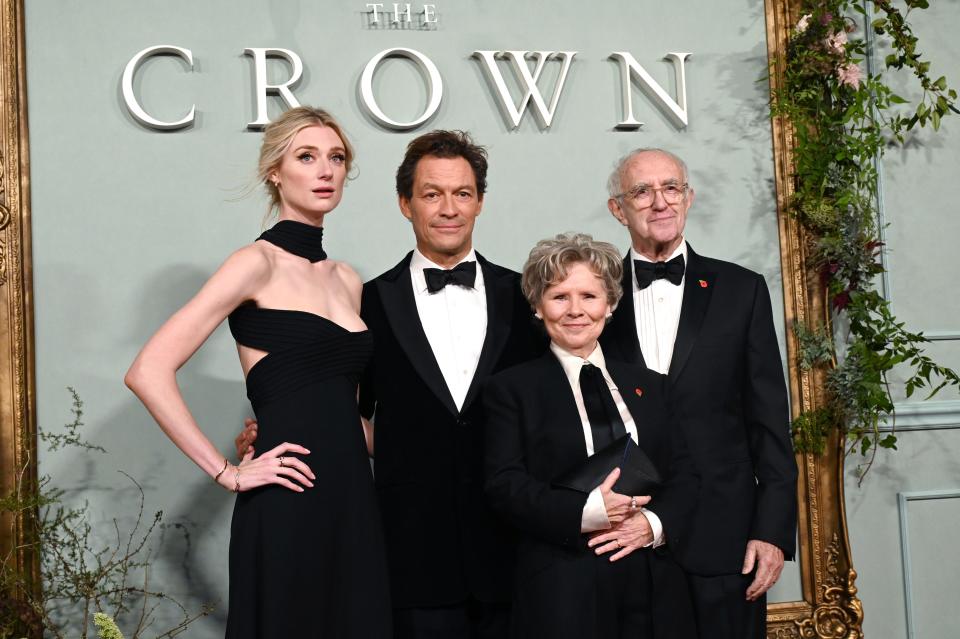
829,609
17,379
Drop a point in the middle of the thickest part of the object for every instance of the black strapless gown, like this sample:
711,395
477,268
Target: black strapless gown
310,564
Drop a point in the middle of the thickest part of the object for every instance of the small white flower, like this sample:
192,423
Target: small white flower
803,23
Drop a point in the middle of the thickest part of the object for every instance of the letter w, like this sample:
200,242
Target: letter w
511,112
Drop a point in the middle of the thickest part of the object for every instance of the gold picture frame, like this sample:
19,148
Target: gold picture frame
829,608
17,387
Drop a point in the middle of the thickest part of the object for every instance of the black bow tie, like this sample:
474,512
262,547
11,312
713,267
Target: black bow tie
646,272
463,274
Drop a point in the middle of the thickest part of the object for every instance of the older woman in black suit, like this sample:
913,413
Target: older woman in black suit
590,565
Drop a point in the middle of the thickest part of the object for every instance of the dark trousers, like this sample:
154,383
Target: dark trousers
722,610
470,620
586,597
624,597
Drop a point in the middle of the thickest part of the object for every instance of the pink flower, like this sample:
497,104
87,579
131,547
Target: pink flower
836,43
850,75
803,23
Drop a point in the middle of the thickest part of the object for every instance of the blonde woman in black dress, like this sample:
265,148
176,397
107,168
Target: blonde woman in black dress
306,548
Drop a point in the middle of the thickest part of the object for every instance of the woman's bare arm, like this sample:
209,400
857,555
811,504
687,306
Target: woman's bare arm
152,376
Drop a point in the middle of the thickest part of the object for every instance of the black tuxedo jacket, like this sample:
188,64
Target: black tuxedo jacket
534,434
727,394
443,542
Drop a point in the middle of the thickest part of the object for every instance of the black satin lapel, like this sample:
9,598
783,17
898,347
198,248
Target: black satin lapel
623,325
500,294
567,429
697,290
401,312
632,390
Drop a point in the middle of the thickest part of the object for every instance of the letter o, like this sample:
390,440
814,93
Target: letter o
434,87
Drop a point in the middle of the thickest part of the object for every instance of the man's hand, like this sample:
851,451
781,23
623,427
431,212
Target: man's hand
630,534
244,441
769,561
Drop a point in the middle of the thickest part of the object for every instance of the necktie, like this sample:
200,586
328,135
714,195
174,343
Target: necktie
463,274
647,272
605,422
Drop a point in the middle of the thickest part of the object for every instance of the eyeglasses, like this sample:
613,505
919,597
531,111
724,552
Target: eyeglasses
643,194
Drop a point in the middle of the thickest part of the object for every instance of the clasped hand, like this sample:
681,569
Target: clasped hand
629,529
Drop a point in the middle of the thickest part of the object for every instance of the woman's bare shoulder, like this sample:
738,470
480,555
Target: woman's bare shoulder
242,273
347,275
252,259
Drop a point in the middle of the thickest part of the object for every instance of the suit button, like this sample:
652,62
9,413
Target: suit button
463,422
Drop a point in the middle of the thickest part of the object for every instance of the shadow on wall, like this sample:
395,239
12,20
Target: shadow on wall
191,561
751,117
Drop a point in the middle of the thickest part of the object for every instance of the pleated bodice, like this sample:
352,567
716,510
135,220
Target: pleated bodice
302,348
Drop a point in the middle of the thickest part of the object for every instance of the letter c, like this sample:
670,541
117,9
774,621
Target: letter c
133,105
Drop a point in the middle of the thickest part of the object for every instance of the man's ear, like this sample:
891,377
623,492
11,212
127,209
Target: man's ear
616,211
405,207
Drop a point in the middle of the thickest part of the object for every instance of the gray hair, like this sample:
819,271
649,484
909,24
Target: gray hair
550,261
615,182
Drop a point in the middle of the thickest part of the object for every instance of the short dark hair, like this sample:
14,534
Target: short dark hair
442,144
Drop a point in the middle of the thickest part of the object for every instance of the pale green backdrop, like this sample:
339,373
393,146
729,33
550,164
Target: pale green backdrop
128,222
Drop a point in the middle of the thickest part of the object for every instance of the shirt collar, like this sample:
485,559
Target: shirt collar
573,363
634,255
419,262
680,250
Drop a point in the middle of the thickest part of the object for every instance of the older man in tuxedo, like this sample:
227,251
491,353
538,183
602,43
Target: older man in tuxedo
708,325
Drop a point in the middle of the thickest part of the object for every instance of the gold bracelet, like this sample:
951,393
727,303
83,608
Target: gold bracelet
226,462
236,480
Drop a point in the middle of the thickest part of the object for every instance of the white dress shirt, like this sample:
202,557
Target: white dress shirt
455,322
594,512
657,312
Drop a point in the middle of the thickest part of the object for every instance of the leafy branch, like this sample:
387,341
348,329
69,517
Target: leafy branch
86,582
843,119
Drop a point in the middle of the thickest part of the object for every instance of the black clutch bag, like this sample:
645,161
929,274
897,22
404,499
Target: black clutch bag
638,475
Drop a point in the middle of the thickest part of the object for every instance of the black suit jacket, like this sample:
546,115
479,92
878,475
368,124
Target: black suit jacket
534,434
443,542
728,395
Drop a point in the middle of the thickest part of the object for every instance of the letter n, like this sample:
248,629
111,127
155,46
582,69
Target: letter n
676,111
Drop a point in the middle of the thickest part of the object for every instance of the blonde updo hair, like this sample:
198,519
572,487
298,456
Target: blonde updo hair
279,134
550,261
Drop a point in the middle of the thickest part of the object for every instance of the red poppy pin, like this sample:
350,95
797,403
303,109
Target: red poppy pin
703,283
638,391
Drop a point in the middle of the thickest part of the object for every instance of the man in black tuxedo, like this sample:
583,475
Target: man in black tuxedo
443,320
708,325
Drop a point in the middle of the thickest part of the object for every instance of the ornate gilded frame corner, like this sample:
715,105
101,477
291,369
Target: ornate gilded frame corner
17,405
830,607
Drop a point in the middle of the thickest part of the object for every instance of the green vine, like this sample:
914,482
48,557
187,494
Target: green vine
843,119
